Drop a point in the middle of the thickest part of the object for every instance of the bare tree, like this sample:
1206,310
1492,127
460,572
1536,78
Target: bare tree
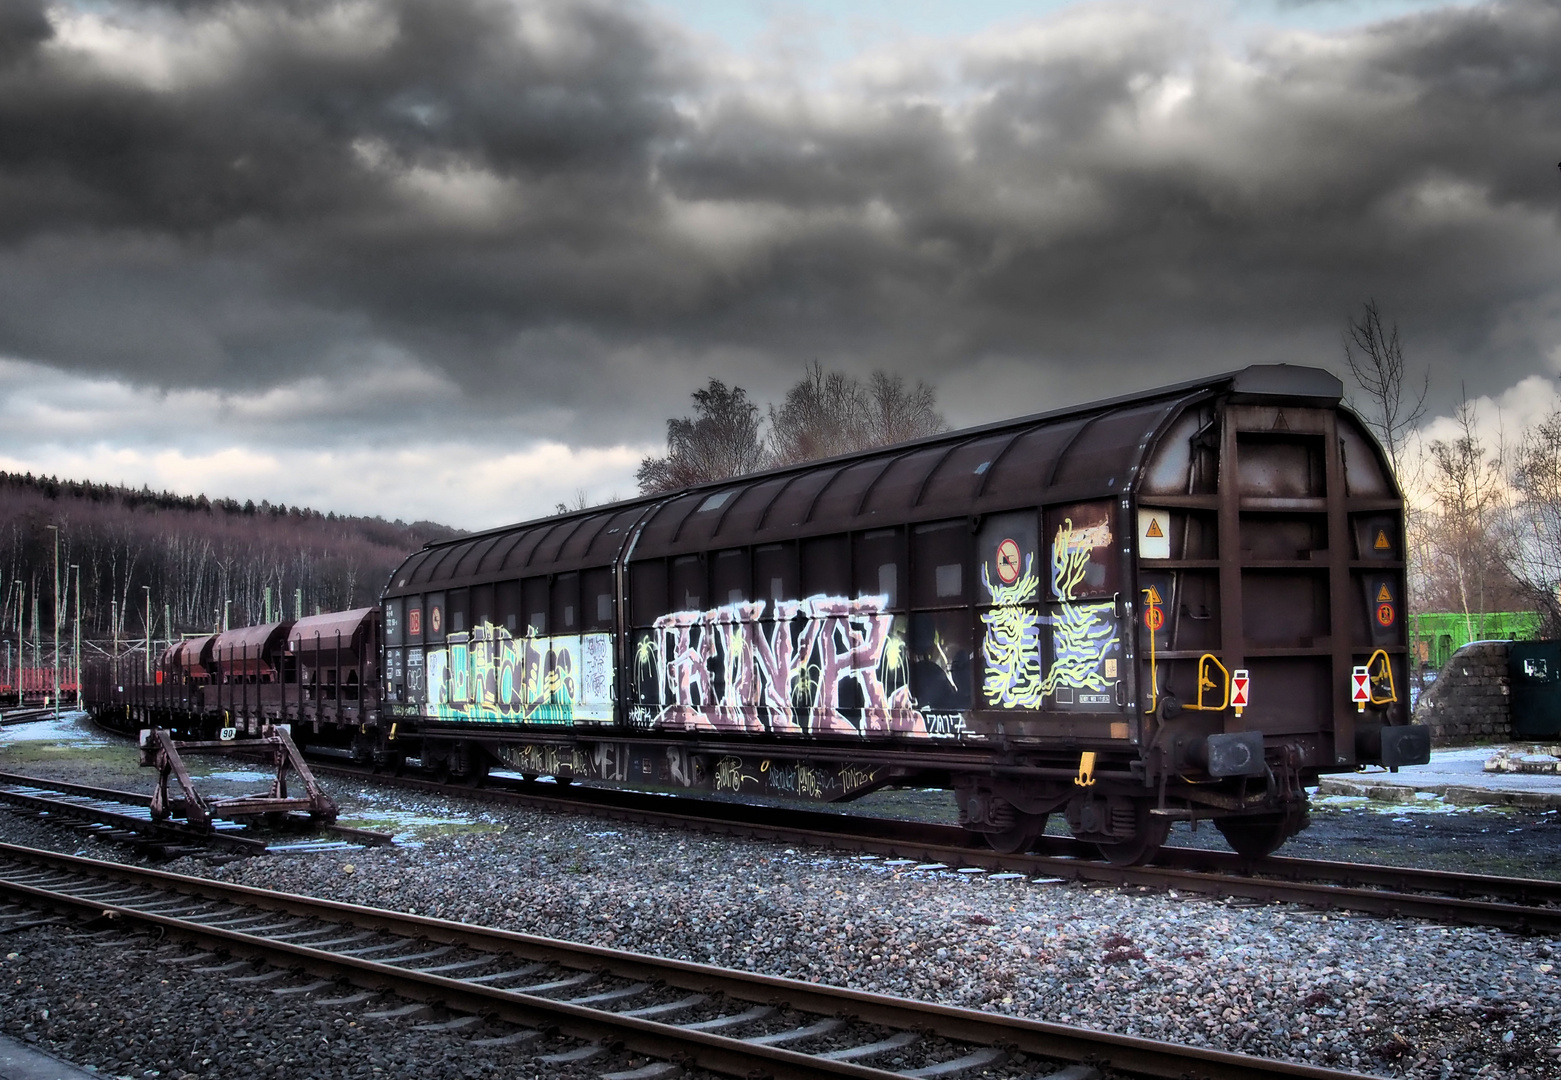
1375,358
821,417
899,413
579,502
829,413
1534,553
721,439
1466,541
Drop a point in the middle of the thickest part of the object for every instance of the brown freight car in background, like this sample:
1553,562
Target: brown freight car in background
318,673
1159,607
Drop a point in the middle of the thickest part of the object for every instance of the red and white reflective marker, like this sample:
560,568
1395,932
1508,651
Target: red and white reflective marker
1238,689
1360,688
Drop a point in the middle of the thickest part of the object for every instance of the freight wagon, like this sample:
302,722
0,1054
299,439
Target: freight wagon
1182,604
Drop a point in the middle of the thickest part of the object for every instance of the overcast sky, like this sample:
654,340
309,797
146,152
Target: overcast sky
455,259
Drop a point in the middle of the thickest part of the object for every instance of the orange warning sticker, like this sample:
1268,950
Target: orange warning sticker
1154,529
1383,596
1382,543
1153,597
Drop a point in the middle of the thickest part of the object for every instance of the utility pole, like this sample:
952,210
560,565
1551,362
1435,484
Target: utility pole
21,651
148,590
37,634
76,644
16,671
55,529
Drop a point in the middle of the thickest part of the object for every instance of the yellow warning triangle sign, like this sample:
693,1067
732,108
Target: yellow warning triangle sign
1154,595
1383,596
1154,529
1382,543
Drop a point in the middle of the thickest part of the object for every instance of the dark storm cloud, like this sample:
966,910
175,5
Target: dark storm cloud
575,214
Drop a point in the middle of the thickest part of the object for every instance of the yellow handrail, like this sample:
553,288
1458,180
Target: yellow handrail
1154,682
1205,683
1386,676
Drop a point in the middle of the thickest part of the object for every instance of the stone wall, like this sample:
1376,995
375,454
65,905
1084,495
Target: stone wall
1470,702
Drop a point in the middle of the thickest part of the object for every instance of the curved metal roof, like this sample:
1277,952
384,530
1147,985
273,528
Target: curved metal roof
1088,451
248,645
322,630
193,654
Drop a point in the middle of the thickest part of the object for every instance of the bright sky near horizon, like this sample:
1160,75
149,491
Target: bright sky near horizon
461,259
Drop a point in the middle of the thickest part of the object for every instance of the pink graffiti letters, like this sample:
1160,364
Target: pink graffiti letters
784,674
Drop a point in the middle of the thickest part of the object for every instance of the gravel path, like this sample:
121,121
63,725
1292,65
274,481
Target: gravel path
1395,998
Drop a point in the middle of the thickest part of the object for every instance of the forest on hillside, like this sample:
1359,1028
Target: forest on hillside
193,560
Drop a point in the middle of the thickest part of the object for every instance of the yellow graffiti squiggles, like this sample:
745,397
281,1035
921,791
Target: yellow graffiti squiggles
647,655
1082,634
1011,647
896,662
1080,637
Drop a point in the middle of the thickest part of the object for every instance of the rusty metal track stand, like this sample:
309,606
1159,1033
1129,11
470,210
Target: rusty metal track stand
158,749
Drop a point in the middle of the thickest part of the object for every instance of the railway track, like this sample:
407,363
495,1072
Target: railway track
1518,904
730,1022
25,716
125,816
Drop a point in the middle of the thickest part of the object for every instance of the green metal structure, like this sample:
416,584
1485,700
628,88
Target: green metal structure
1435,635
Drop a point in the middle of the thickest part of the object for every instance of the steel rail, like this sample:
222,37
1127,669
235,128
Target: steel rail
24,716
156,832
1444,896
40,796
34,877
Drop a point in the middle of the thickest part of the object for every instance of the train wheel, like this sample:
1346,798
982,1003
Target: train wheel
1149,833
1023,836
478,774
1262,834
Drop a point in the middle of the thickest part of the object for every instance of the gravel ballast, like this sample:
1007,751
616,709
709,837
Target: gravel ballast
1390,997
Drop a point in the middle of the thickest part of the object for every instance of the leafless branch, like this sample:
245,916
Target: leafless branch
1375,357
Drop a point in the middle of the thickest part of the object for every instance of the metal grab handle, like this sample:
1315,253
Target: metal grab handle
1154,682
1205,683
1385,676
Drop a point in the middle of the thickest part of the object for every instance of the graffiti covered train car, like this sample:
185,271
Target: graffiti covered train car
1180,604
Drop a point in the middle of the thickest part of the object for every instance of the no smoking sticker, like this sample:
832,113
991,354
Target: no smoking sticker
1008,562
